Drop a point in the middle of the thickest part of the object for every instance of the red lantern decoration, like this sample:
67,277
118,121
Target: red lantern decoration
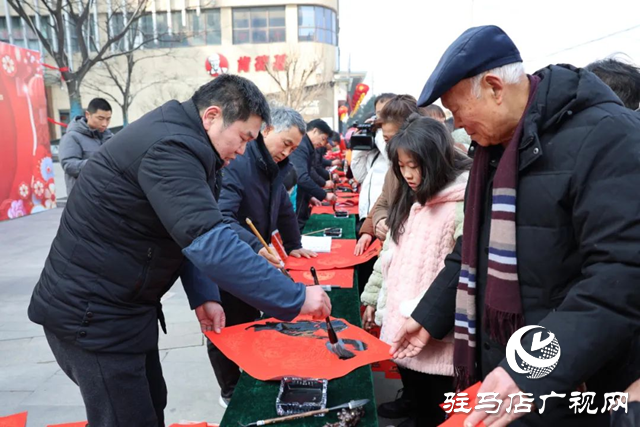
358,95
343,112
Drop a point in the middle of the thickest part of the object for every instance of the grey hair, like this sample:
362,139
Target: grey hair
284,118
510,74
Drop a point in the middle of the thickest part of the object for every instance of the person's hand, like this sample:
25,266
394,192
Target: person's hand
211,317
335,177
331,198
273,258
329,184
297,253
634,391
336,162
363,243
368,317
410,340
382,229
315,202
316,303
498,381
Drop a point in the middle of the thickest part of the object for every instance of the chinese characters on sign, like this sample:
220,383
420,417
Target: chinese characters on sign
261,63
523,402
244,62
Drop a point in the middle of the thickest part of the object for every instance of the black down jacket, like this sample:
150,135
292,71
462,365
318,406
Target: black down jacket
142,203
578,245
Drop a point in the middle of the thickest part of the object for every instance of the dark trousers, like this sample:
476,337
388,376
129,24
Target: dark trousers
365,269
426,392
118,390
303,211
227,372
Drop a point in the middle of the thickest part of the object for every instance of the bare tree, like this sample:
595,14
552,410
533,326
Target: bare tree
120,72
176,90
293,78
66,17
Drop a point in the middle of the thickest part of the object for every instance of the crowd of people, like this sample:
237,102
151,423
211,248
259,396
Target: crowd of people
521,208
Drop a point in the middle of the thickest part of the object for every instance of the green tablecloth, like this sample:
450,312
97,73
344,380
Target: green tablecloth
255,400
319,222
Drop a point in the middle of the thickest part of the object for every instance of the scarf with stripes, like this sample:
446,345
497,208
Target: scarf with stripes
502,305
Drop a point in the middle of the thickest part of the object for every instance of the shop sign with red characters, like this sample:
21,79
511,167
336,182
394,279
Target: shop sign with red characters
217,64
26,168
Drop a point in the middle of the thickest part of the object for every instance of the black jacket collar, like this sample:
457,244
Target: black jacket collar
265,162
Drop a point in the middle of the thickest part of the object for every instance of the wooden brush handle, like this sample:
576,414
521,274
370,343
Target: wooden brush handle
317,231
295,416
255,231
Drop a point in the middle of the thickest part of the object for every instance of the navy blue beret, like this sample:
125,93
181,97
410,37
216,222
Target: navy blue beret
478,49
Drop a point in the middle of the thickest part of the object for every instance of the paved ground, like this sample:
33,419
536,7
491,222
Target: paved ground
30,379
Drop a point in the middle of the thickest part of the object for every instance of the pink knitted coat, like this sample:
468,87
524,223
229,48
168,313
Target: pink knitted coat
417,259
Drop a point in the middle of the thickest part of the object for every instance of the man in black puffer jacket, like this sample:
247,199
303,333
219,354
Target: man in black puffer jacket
310,184
252,187
575,234
143,205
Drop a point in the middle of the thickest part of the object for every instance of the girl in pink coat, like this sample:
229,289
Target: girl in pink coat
424,221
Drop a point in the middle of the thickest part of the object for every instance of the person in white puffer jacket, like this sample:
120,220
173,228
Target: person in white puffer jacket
369,169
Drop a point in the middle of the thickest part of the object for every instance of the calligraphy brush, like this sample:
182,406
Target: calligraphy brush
337,346
317,231
354,404
255,231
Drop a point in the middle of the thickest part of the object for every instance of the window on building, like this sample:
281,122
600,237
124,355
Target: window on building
259,25
64,118
317,24
4,30
199,30
18,32
89,32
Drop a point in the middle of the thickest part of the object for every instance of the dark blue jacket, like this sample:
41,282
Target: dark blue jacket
143,203
304,160
321,164
252,187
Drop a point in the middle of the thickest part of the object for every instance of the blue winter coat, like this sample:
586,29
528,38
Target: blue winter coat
304,160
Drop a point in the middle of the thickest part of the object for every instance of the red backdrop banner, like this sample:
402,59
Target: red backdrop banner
26,168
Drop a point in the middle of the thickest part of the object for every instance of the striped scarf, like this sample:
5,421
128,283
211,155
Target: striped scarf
503,307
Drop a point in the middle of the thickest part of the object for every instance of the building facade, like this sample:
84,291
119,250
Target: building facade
288,48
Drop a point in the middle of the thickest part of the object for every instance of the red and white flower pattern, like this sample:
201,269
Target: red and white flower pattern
24,190
38,188
9,65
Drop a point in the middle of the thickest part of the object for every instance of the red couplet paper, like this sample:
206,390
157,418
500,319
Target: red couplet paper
350,208
342,277
341,256
457,419
80,424
343,195
16,420
272,349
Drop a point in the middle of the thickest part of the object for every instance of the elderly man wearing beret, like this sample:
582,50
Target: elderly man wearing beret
551,236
